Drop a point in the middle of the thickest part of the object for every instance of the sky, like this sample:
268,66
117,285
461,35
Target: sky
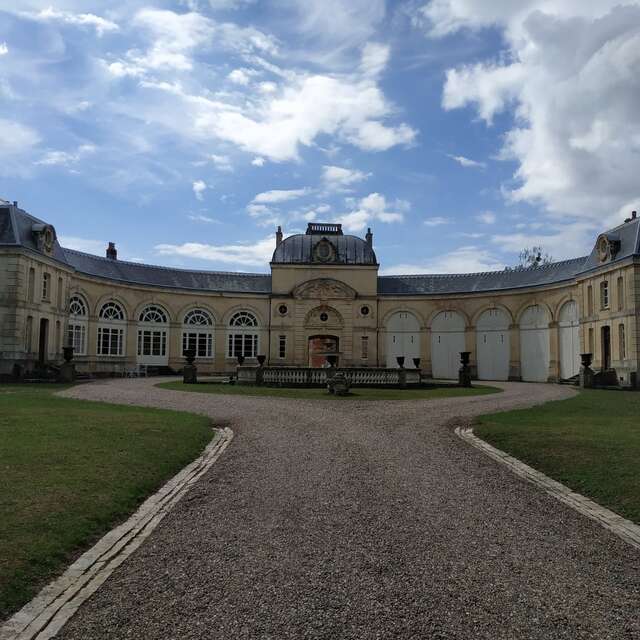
186,130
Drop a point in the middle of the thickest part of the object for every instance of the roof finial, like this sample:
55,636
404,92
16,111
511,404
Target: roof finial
278,235
369,237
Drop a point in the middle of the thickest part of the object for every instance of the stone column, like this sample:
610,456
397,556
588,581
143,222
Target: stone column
427,368
554,352
515,371
470,346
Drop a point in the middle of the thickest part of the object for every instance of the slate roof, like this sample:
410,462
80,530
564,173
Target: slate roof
480,282
135,273
16,229
298,249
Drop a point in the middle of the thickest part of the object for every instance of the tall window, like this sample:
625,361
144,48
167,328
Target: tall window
77,327
243,335
364,347
604,294
591,342
621,342
111,326
31,285
59,292
620,293
28,335
197,333
46,286
589,300
152,334
282,347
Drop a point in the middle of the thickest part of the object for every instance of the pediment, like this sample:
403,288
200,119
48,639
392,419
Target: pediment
324,289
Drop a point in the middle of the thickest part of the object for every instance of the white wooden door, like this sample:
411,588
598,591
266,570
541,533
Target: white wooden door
569,334
492,345
447,341
534,344
403,339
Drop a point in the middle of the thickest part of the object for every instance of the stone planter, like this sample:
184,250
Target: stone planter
67,354
400,361
464,374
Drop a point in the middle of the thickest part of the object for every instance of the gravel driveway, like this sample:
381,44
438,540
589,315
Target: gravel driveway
361,519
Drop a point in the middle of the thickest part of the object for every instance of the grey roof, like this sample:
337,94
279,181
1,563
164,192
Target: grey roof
479,282
135,273
628,234
298,249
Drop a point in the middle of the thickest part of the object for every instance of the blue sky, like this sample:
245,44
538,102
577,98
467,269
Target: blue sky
186,130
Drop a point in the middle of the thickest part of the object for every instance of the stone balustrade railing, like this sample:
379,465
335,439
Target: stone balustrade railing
312,377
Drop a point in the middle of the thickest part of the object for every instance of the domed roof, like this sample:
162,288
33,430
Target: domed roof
325,244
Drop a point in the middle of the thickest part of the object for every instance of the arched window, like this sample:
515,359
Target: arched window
152,336
197,333
77,327
111,329
242,336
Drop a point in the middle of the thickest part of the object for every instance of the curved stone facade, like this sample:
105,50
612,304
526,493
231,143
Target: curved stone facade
323,296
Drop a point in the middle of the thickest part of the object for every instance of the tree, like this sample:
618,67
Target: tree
532,258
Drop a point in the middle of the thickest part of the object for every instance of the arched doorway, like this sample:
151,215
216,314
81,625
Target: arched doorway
322,346
492,345
569,333
403,339
447,341
534,344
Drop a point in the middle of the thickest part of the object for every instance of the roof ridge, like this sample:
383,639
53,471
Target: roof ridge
164,268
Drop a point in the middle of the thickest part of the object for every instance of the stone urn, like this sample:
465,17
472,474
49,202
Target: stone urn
586,378
416,363
67,372
240,360
339,384
464,358
464,374
190,355
190,371
587,359
332,360
67,354
400,361
261,359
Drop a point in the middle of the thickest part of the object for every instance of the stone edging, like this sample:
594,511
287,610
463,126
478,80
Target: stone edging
623,528
49,611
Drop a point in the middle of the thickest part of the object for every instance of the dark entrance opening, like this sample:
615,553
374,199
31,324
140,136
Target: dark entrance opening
606,348
43,341
320,347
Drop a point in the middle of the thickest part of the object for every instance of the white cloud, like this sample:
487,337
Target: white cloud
375,57
101,25
247,255
341,179
468,259
65,158
487,217
95,247
4,49
241,76
199,187
436,221
222,163
280,195
16,138
258,162
467,162
373,207
198,217
267,87
570,74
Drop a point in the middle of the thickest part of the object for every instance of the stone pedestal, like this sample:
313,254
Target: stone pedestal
67,372
586,377
190,374
464,376
402,378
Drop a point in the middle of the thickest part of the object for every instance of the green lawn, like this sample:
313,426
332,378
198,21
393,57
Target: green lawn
70,470
321,393
591,443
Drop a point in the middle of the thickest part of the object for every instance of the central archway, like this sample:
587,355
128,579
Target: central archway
403,339
322,346
492,345
447,341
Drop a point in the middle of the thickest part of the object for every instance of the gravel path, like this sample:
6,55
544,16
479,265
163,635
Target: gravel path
361,520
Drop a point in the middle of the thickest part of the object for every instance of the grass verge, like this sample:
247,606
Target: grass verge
70,470
321,393
591,443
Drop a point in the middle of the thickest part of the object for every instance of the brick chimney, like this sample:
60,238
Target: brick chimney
112,253
278,235
369,237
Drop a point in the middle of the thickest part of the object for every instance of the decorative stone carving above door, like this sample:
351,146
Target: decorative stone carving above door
324,289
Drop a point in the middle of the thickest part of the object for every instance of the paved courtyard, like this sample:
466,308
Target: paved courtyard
359,519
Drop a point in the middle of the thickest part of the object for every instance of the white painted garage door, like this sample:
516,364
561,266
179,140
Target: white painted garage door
492,344
403,339
447,341
569,340
534,344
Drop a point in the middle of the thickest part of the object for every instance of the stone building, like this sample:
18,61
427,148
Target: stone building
323,296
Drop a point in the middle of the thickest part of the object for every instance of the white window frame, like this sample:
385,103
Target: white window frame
46,286
198,333
604,294
243,335
282,347
111,330
77,327
153,336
